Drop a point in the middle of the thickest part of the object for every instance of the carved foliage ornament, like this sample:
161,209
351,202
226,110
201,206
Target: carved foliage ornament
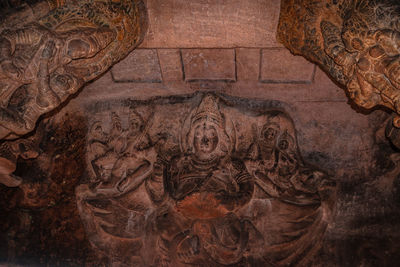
224,186
357,42
47,56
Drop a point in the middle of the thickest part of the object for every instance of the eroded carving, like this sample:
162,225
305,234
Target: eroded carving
9,152
44,61
222,185
356,42
43,207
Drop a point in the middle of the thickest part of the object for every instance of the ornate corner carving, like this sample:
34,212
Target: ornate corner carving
356,42
46,59
201,189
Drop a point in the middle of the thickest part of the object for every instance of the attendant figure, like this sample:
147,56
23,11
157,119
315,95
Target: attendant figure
293,202
115,205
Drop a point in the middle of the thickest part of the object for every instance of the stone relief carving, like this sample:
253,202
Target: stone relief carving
203,181
356,42
9,152
48,58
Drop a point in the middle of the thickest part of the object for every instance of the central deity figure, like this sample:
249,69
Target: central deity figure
206,186
206,168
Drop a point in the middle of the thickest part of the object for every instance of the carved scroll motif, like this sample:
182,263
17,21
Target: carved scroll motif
48,58
356,42
223,186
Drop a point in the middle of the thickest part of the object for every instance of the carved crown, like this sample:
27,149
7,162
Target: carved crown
208,110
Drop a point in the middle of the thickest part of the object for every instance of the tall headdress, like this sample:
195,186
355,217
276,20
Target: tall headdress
208,110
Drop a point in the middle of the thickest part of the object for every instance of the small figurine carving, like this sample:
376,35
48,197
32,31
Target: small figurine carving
122,160
44,61
171,192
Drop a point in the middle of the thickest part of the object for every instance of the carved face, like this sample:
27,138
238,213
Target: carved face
105,173
97,132
116,124
269,134
205,140
135,124
78,49
268,137
287,162
103,167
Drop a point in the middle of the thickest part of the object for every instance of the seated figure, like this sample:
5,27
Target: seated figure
303,195
122,162
206,186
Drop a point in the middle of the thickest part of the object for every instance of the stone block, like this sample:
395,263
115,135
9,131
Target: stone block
171,64
210,23
247,64
209,64
141,65
278,65
324,89
332,134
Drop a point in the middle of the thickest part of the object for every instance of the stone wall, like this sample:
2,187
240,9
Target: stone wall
187,49
230,48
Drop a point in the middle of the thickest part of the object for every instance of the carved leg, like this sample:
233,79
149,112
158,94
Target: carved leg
46,97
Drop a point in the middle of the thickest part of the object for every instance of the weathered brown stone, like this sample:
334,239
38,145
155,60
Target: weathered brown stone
40,216
209,64
248,64
44,60
141,65
40,224
171,64
279,66
355,42
194,165
392,133
208,23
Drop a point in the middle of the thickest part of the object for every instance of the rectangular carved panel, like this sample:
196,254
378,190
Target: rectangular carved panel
141,65
234,23
279,66
203,180
209,64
